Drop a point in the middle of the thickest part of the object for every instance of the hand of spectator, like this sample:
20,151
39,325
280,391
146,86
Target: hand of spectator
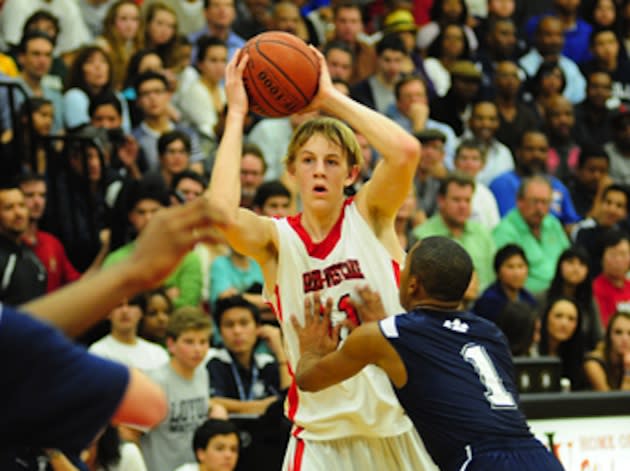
173,292
217,411
316,336
234,89
104,236
419,217
128,151
260,405
272,335
418,115
228,293
170,235
368,305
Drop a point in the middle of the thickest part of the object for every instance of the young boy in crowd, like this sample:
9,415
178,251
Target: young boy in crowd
123,344
216,445
167,446
241,379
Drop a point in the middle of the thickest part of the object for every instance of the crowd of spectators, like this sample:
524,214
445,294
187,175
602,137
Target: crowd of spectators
113,109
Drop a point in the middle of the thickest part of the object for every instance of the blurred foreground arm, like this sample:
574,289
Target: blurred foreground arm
169,236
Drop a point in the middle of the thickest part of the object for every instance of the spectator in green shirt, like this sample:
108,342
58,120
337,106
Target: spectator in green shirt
540,234
144,199
453,221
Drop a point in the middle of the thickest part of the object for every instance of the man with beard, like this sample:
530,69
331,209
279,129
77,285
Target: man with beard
619,148
514,115
593,116
482,128
22,275
532,227
531,159
563,150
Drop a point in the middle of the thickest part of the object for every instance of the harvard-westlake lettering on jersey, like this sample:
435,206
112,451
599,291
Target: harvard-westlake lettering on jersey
350,256
460,389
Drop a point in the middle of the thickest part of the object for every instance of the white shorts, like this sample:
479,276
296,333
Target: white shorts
404,452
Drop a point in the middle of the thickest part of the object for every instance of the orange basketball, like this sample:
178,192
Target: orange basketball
282,74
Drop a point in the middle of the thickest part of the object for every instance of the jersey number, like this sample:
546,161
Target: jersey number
496,393
345,306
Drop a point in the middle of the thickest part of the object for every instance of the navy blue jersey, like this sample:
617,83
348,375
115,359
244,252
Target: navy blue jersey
460,389
53,394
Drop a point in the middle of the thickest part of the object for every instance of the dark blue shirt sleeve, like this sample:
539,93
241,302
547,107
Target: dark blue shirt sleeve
53,394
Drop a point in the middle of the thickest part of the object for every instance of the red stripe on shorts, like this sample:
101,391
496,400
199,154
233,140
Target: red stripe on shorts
299,455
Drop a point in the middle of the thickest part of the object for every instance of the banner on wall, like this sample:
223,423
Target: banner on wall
587,444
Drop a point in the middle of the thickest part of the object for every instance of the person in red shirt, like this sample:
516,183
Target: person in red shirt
611,288
46,246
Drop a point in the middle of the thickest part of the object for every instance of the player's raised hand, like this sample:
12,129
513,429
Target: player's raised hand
234,88
325,87
316,336
368,305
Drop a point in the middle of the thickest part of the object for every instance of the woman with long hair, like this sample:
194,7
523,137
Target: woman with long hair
202,101
573,280
152,326
34,127
450,46
160,32
445,12
123,35
560,328
548,82
608,366
511,268
90,76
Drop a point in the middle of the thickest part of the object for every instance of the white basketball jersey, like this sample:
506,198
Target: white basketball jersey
350,256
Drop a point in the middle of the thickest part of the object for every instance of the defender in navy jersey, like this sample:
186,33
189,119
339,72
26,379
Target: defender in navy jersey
452,370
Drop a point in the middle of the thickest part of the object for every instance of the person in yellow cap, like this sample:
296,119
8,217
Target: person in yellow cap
401,23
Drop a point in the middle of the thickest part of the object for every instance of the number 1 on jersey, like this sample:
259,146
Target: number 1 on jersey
496,393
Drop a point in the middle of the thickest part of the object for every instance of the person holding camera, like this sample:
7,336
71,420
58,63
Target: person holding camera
106,112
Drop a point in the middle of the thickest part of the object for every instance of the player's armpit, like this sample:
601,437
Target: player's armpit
359,350
252,235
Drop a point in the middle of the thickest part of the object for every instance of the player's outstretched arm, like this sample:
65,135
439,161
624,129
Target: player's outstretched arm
246,232
400,151
144,403
170,235
321,365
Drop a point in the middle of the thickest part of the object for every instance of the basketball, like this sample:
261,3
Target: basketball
282,74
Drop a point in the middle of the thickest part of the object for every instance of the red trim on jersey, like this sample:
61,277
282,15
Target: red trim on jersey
297,430
277,308
321,249
292,398
299,455
396,267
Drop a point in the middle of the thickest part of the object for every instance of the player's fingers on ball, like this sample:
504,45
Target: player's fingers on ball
243,59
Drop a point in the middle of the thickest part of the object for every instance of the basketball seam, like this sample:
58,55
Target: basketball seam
280,69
